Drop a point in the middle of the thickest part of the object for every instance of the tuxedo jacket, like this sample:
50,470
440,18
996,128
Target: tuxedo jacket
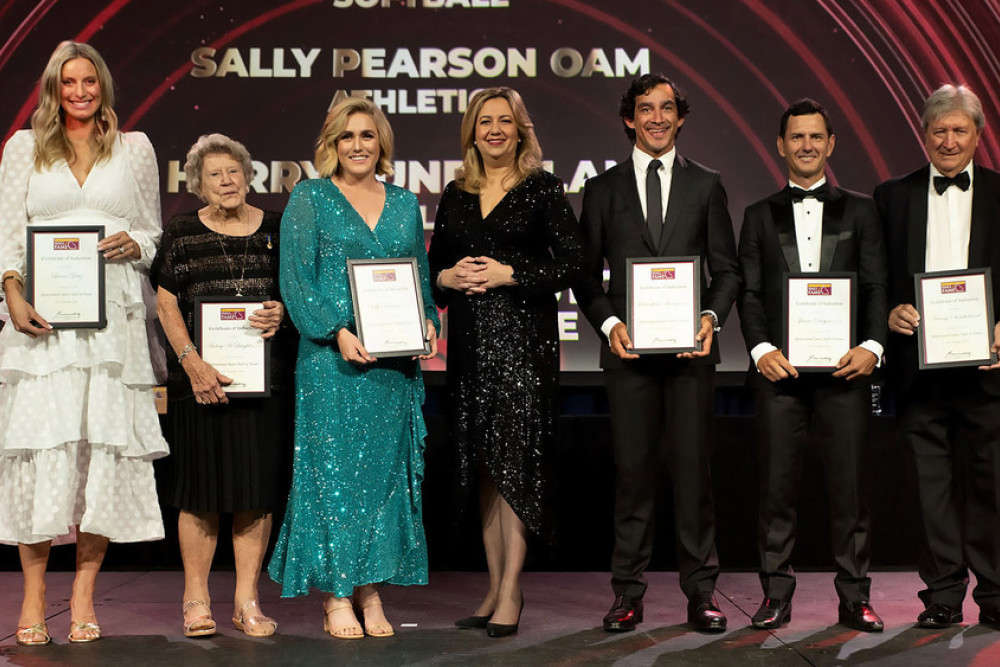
697,222
902,204
851,241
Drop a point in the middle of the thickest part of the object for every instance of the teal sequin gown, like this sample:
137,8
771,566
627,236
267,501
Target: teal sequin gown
354,509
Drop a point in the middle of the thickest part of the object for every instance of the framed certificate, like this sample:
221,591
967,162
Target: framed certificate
956,318
662,304
65,281
819,319
389,306
226,340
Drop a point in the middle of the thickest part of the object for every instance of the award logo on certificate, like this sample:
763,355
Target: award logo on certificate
819,319
226,340
65,281
663,303
389,306
956,318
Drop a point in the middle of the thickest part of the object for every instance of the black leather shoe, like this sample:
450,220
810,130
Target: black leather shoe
624,614
990,616
860,616
772,614
939,615
503,629
704,614
473,622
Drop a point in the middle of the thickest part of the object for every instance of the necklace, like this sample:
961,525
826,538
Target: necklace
237,285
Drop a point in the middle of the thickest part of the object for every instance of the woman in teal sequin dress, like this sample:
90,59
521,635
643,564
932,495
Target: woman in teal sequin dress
354,511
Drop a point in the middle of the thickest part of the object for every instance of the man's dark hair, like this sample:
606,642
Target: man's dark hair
641,86
804,107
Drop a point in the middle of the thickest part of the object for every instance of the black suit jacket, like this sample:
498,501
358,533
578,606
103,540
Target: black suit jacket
852,241
902,203
697,223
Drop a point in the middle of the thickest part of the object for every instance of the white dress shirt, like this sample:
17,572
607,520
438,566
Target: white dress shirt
949,223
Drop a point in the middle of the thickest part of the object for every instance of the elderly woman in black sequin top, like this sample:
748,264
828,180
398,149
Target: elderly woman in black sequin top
505,241
228,454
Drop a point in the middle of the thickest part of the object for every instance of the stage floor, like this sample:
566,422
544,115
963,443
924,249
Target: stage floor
140,614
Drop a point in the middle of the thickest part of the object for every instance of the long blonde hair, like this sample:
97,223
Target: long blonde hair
529,154
326,161
48,123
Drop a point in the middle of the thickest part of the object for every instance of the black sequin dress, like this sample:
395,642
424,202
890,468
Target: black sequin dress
233,457
503,346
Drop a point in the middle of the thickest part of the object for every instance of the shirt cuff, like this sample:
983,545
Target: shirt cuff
875,348
608,325
759,351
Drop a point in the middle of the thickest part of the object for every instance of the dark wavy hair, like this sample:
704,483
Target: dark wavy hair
641,86
804,107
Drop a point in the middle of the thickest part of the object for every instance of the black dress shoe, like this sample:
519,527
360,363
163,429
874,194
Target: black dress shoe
624,614
503,629
860,616
473,622
939,615
704,614
990,616
772,614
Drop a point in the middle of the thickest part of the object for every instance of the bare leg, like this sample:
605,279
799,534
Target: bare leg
515,547
198,534
367,600
90,550
489,512
251,531
34,560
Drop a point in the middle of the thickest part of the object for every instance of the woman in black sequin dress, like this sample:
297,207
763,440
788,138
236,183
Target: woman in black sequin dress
505,241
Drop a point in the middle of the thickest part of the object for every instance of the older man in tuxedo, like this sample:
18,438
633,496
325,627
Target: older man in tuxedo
657,203
946,217
812,227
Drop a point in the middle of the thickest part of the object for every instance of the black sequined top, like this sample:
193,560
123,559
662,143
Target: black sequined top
502,347
191,263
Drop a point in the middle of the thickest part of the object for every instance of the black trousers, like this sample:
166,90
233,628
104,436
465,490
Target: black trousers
813,411
662,416
952,429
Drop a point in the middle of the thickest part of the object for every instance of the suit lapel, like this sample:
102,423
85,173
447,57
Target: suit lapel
981,217
679,189
784,225
630,193
916,235
833,221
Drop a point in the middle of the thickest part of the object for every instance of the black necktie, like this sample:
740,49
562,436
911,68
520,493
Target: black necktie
942,183
654,201
821,193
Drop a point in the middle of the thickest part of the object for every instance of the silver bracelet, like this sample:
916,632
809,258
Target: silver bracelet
188,349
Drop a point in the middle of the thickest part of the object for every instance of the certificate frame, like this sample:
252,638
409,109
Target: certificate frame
80,244
825,284
689,266
378,337
983,278
208,309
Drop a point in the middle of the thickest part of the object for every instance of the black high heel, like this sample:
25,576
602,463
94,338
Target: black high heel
503,630
473,622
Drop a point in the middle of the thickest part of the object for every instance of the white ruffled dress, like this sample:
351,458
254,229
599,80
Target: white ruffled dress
78,425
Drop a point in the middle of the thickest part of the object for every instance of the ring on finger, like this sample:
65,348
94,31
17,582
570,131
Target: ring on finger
121,248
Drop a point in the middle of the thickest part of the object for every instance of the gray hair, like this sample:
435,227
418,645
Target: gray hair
209,144
950,98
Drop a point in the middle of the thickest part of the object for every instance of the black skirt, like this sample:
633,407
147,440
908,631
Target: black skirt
227,458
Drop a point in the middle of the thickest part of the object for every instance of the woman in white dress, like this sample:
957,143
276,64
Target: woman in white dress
78,427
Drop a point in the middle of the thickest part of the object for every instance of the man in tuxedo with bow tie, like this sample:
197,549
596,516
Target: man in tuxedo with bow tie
812,227
657,203
944,217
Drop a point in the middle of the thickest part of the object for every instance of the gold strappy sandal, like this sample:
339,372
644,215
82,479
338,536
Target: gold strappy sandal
33,635
252,621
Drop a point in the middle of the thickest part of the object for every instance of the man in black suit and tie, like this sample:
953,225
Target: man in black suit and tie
654,204
945,217
812,227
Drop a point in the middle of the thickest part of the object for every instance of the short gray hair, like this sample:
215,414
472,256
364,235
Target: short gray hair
950,98
208,144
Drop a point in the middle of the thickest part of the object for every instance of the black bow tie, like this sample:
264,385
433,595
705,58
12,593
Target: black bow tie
942,183
822,193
